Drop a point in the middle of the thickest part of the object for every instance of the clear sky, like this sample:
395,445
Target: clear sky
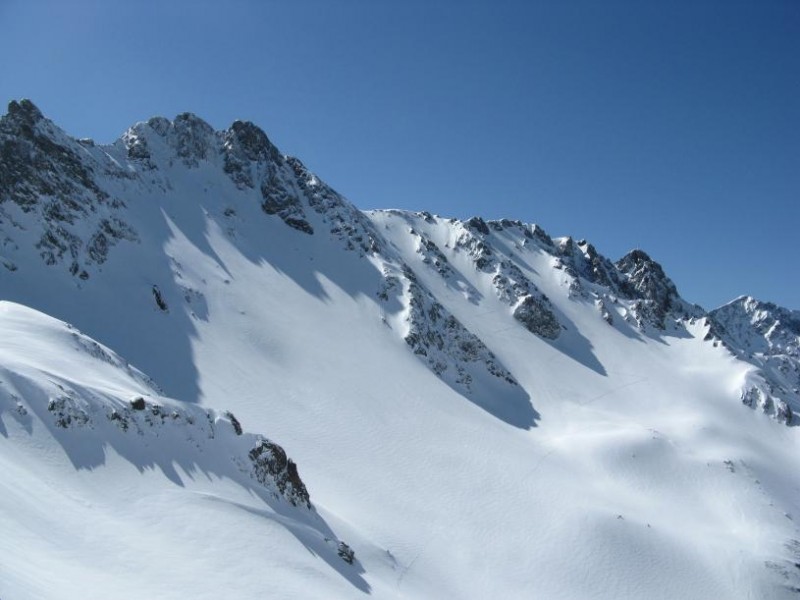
669,126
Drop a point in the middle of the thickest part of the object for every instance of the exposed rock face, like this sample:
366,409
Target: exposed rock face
45,176
472,241
477,225
245,147
529,305
537,317
432,255
237,427
344,221
437,337
288,208
647,281
651,296
249,141
67,413
589,264
24,111
761,327
270,464
539,234
159,298
251,160
192,138
759,399
767,336
134,140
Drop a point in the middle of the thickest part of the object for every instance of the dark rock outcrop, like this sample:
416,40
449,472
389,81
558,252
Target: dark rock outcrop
159,298
646,281
46,173
529,305
537,317
271,465
191,137
767,336
346,553
442,341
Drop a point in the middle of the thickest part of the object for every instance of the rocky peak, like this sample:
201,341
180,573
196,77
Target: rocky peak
645,279
581,259
160,125
767,336
635,277
193,140
741,319
24,111
191,137
596,267
24,121
769,316
251,142
566,246
38,161
476,224
639,261
135,140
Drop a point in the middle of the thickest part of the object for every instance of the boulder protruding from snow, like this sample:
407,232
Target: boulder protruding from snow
270,464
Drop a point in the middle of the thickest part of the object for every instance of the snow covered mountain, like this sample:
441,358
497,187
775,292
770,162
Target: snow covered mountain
767,336
475,407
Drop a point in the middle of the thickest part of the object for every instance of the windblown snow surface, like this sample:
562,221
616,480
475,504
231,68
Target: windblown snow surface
471,413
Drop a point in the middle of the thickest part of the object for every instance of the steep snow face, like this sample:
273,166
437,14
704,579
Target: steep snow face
767,336
70,406
71,202
84,391
476,408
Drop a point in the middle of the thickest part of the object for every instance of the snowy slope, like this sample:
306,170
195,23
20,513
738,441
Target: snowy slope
99,465
767,336
475,407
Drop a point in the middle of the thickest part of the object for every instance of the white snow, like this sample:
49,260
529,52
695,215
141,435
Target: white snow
628,467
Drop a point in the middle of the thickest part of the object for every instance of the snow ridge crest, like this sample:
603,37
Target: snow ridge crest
72,202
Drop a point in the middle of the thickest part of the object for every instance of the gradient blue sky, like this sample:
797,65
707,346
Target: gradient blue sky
669,126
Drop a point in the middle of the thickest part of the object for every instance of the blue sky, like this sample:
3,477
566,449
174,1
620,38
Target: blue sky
669,126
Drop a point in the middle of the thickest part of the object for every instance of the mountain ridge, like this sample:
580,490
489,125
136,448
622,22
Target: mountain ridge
286,189
473,403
